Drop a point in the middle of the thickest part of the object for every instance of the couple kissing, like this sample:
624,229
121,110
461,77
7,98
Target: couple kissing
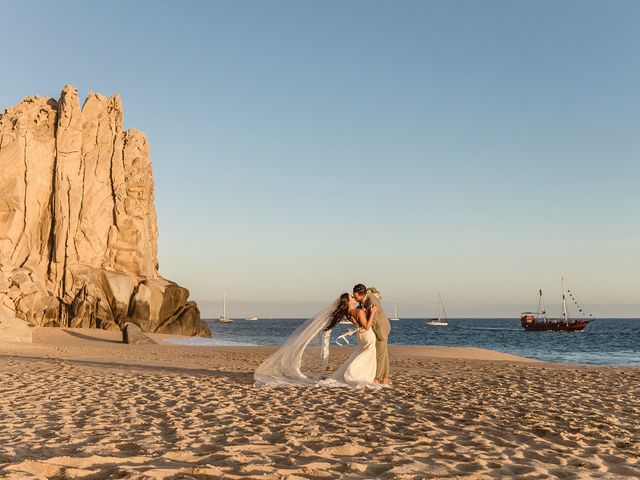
368,365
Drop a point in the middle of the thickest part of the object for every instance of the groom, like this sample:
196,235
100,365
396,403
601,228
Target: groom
380,327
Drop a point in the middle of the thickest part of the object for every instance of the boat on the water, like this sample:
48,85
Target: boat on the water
538,322
224,318
441,321
252,318
395,314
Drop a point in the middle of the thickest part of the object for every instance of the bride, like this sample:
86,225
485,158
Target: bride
284,367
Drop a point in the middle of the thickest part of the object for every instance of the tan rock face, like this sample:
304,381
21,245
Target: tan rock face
78,233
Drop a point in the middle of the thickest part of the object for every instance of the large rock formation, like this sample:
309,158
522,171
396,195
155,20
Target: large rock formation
77,222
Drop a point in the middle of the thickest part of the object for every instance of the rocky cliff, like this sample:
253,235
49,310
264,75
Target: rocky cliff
78,233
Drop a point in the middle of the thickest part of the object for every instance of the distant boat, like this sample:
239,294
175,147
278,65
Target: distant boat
252,318
441,321
395,314
538,322
224,318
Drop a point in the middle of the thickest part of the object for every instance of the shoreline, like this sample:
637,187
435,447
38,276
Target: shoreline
603,343
77,337
74,336
73,343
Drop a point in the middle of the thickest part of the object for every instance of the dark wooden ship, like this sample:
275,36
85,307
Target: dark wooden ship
538,322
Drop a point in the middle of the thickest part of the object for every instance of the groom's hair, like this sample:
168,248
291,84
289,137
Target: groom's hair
360,288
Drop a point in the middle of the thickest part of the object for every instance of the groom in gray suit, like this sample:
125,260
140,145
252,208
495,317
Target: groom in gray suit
381,327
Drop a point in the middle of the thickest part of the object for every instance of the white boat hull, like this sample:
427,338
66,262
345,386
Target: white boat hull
440,321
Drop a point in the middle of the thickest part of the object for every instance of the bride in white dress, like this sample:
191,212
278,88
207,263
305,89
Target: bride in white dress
284,367
360,368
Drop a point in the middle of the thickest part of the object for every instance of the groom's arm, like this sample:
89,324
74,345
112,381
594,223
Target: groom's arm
365,318
373,300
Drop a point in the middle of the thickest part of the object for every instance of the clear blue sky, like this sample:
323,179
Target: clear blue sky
475,148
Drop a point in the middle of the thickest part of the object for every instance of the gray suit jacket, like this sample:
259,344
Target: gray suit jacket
381,326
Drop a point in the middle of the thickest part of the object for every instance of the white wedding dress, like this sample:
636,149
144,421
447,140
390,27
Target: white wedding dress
360,369
285,366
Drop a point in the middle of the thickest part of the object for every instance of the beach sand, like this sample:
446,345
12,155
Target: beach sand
79,404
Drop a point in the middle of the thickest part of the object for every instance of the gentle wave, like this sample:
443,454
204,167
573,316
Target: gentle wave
206,342
493,328
603,342
631,359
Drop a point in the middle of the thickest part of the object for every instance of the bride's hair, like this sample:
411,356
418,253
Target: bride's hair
339,312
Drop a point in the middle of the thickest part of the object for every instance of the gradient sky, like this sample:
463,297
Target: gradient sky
477,148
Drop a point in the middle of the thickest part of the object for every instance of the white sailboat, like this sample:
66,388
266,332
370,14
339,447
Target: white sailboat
395,314
252,318
441,321
224,318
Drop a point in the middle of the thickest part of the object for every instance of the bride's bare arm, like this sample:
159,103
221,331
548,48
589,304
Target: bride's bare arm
366,319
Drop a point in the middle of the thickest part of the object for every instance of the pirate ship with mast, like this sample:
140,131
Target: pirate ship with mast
538,322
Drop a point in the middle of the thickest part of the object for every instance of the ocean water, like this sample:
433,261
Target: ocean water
603,342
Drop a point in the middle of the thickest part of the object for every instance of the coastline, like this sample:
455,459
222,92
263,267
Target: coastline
611,342
77,403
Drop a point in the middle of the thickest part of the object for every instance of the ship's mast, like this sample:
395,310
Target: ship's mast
224,305
444,314
564,303
541,308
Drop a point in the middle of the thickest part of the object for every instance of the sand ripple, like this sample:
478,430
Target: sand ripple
193,413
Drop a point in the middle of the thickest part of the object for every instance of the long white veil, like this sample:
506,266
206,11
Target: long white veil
285,366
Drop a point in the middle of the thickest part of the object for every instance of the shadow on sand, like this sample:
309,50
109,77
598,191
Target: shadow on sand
89,337
240,377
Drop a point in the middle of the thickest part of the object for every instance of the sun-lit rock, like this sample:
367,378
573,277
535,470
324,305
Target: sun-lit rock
78,233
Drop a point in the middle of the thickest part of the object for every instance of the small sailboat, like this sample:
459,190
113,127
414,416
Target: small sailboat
252,318
538,322
395,314
224,318
441,321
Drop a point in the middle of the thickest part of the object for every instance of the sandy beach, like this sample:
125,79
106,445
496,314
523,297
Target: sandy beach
79,404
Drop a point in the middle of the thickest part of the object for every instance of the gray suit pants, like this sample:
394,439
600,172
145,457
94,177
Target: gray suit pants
382,359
